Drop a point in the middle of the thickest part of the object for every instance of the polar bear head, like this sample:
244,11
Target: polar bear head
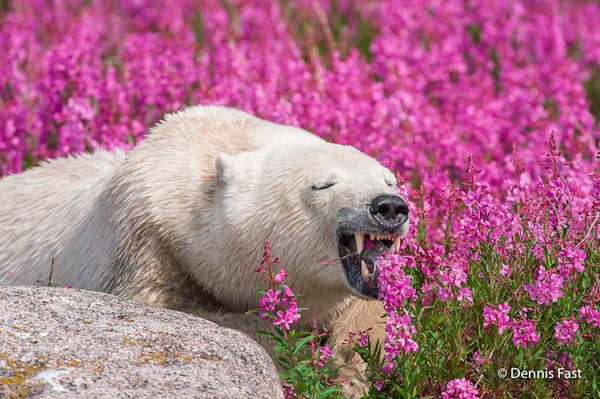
318,203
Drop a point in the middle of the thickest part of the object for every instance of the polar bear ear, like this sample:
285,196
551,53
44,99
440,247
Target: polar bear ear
235,168
224,164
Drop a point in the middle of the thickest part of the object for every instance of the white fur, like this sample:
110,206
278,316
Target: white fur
180,220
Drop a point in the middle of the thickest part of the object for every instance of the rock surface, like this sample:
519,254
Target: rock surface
69,343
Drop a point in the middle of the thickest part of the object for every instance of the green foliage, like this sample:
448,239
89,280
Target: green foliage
592,89
298,355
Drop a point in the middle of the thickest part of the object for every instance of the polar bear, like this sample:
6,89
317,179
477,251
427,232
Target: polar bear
179,221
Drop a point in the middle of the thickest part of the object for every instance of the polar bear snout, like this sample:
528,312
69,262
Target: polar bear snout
366,234
389,209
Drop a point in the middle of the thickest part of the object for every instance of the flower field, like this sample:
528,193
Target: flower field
487,111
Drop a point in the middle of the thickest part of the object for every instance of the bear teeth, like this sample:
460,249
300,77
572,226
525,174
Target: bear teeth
364,271
360,239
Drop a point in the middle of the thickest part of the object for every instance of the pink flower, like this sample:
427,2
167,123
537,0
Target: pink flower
477,359
283,304
497,315
443,294
524,333
280,276
457,275
570,261
324,354
427,291
268,302
564,330
504,270
289,309
288,391
399,331
465,295
591,315
460,389
378,383
395,287
362,340
387,367
547,287
288,316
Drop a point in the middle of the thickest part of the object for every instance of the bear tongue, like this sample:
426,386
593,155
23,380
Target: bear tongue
370,256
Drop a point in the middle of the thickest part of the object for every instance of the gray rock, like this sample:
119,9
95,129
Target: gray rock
69,343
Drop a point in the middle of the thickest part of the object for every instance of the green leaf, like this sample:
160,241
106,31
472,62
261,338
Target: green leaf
301,343
267,334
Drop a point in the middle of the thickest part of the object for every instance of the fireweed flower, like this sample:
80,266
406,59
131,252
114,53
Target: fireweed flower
571,261
324,354
477,359
277,305
465,295
443,293
289,309
395,286
288,391
268,303
565,360
395,290
564,330
452,275
460,389
547,286
524,333
476,221
387,367
590,314
362,340
427,291
504,270
378,383
280,276
497,315
399,332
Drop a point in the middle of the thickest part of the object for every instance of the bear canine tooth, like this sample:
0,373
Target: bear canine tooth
364,271
371,236
397,243
360,238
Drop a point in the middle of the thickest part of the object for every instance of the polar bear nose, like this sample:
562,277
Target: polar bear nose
388,207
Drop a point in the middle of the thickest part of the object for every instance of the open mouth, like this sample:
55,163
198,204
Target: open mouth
359,253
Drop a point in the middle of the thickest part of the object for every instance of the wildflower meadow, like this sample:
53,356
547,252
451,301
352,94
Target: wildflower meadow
487,111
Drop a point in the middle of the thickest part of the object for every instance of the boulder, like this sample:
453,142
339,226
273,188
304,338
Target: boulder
69,343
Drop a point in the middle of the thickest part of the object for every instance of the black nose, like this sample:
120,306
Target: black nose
388,207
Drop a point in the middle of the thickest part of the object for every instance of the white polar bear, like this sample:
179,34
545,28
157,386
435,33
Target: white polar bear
179,221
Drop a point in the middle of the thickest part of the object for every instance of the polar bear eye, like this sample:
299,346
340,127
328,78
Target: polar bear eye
390,179
322,185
